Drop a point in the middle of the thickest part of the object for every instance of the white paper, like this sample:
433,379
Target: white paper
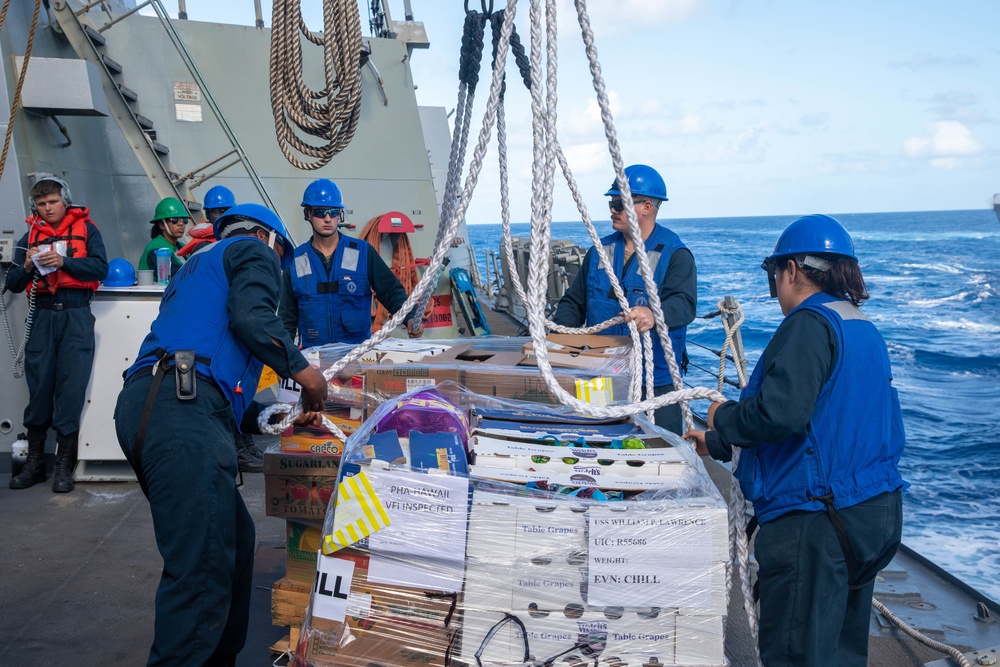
332,587
424,545
59,247
188,113
654,559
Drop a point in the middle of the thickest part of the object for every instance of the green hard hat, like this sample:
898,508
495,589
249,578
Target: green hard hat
171,207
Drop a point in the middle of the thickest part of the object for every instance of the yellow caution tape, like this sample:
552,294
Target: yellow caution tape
358,514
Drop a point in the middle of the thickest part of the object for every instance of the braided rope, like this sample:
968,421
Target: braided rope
728,343
923,639
330,114
16,102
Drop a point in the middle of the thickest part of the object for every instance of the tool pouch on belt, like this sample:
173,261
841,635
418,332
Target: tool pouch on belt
187,387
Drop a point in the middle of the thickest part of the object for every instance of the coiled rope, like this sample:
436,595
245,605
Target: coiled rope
330,114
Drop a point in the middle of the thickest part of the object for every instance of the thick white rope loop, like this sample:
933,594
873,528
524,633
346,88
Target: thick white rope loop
330,114
507,248
923,639
428,281
542,170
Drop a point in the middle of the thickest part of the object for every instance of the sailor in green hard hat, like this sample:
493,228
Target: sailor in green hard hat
167,229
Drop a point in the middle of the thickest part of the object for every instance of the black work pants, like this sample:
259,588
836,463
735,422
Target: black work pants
58,360
809,615
203,529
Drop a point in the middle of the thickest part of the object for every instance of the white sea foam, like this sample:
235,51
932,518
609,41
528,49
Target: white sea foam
933,303
964,324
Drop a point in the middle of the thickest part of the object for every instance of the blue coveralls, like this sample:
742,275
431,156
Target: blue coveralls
221,305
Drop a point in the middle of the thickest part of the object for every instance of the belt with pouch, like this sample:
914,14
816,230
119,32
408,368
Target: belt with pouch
183,368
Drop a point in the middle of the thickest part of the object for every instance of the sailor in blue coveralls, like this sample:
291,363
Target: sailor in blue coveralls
590,299
193,380
821,432
327,290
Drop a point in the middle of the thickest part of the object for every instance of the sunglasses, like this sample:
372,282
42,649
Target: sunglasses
175,221
323,212
619,205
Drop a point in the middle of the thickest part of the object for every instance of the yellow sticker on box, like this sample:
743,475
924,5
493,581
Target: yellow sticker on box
359,513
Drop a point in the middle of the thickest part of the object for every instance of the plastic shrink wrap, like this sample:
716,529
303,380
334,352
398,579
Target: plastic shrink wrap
560,540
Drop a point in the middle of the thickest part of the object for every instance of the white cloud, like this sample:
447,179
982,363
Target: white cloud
587,122
947,139
744,148
587,158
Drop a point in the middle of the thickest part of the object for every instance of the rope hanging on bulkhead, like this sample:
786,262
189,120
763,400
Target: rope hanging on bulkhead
330,114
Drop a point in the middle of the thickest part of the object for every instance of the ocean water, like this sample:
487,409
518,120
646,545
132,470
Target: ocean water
934,279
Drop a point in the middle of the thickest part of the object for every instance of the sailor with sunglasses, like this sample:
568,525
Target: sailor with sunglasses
327,291
590,299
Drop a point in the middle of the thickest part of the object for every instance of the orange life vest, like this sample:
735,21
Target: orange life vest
73,230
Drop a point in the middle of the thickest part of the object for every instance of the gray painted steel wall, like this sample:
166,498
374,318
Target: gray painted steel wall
384,168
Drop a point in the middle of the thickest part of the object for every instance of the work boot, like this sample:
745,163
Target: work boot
62,480
33,471
245,450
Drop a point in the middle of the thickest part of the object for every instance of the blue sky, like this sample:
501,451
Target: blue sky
771,107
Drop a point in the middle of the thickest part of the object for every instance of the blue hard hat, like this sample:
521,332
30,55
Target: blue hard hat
120,273
262,216
219,197
643,181
818,234
322,193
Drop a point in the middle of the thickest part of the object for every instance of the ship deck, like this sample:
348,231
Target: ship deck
82,569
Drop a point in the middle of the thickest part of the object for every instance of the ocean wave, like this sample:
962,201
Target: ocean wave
963,324
941,301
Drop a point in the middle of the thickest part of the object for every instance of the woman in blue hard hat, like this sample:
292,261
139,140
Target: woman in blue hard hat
193,381
820,432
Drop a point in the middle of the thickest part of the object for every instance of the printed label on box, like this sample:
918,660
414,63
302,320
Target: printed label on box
651,559
424,546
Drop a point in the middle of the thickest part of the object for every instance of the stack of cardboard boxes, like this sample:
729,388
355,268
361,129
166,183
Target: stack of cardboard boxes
300,476
571,540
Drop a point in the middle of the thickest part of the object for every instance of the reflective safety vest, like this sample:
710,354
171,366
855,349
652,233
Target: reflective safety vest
72,230
193,316
334,306
854,439
602,304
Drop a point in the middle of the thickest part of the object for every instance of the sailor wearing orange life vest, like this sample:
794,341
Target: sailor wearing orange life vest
60,262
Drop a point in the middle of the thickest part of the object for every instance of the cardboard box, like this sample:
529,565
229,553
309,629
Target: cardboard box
315,440
386,625
591,352
382,382
298,485
302,543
